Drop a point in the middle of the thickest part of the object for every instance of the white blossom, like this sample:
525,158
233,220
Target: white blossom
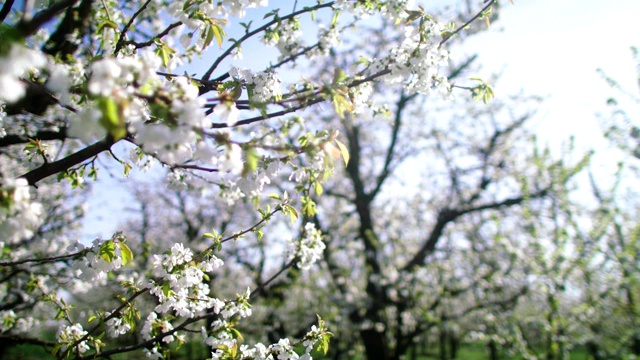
68,335
17,62
104,74
308,249
231,160
227,113
19,216
116,327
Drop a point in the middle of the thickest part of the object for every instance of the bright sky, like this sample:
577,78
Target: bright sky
553,48
542,47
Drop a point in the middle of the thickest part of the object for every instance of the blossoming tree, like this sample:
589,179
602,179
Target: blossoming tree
81,79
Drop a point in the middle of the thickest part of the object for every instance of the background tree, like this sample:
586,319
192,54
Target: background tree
621,125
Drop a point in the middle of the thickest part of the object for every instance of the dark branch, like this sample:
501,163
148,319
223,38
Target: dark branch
164,33
42,17
445,216
17,340
40,135
68,36
126,28
384,174
6,9
48,169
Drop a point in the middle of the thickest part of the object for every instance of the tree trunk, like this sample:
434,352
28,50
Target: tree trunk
375,344
493,350
413,352
635,345
593,349
454,345
443,344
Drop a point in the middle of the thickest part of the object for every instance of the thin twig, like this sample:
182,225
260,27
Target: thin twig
123,33
248,35
450,35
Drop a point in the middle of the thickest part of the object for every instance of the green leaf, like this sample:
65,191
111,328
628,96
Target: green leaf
323,344
343,151
107,251
127,169
215,30
110,119
9,35
291,211
339,76
162,53
208,36
106,24
250,161
272,13
126,253
308,206
235,333
317,187
413,15
341,104
336,17
166,288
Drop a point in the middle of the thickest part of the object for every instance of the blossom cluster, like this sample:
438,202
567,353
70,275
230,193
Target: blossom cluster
308,249
286,37
19,216
220,339
391,9
416,61
100,259
254,185
154,326
179,283
327,40
9,321
262,86
15,65
68,337
116,326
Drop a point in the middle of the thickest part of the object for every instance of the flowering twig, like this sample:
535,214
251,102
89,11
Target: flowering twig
260,289
276,20
123,33
44,260
164,33
46,170
460,28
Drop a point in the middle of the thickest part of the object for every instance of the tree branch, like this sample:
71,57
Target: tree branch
14,339
276,20
6,9
384,174
445,216
30,27
460,28
13,139
68,36
126,28
48,169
